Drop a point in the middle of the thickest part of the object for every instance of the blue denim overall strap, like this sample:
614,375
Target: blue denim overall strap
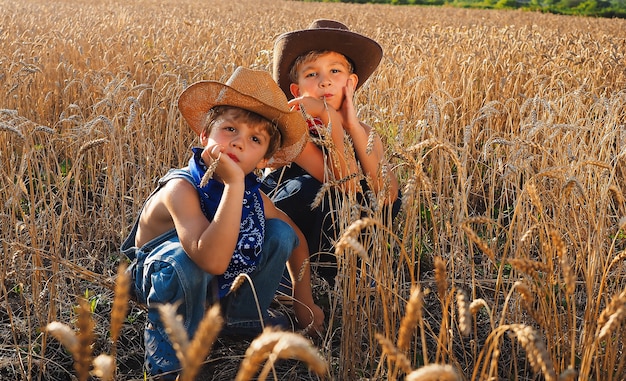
136,255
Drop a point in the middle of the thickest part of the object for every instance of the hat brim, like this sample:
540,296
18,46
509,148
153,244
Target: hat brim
364,52
196,101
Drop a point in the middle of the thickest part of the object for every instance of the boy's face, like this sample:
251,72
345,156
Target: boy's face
244,142
324,77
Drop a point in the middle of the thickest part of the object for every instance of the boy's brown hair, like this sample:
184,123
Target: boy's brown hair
250,117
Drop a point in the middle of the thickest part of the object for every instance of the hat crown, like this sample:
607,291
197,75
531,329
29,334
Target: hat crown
256,84
327,24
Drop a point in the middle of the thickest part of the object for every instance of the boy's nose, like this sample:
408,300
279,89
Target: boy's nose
237,143
324,81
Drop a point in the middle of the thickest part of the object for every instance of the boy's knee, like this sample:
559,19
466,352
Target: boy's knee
280,237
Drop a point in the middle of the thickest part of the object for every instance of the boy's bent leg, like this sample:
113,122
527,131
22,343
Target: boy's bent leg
170,277
241,307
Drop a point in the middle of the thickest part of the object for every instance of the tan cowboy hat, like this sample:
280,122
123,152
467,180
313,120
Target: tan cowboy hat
252,90
364,53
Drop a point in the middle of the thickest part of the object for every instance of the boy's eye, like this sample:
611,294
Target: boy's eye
335,71
310,75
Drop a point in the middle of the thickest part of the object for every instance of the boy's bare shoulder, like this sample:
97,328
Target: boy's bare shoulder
159,212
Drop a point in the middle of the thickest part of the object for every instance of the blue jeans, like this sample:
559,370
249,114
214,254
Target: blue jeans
164,273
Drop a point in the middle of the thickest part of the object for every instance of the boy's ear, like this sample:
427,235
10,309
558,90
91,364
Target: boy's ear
262,164
355,78
295,89
204,137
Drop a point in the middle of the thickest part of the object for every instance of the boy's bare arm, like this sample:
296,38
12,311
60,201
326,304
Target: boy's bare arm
371,158
307,312
209,244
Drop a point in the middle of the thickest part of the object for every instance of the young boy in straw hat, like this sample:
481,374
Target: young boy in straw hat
320,68
193,237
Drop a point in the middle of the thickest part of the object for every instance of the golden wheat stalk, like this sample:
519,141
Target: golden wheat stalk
434,372
203,340
13,130
465,316
411,317
282,345
471,234
104,367
568,273
208,175
175,330
65,335
393,353
91,144
612,316
528,266
441,278
85,325
295,346
120,301
536,351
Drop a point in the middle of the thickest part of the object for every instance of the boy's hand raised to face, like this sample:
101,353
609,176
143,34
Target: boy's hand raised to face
313,106
347,110
227,170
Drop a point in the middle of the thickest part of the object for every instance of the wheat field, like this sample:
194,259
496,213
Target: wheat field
506,129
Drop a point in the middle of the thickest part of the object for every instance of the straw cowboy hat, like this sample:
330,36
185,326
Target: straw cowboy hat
251,90
364,53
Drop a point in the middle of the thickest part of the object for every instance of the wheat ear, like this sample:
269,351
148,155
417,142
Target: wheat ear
393,353
104,367
612,316
465,316
535,351
294,346
440,278
66,336
208,175
175,331
199,348
120,301
434,372
85,325
410,319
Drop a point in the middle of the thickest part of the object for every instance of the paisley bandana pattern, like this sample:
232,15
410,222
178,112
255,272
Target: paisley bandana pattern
252,227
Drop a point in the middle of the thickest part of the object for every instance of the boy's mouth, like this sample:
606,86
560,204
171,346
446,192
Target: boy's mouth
232,156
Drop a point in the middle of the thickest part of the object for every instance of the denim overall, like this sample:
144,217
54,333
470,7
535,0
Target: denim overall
163,273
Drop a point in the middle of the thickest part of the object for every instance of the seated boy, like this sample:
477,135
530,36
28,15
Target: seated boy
319,69
191,240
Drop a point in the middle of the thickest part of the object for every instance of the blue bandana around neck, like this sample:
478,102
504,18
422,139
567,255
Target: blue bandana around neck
252,228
